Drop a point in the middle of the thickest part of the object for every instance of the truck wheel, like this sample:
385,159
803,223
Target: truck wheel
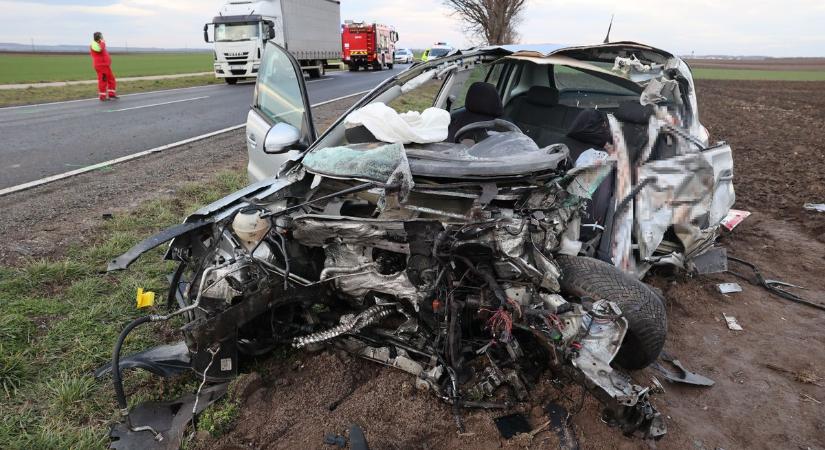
230,80
389,66
352,67
643,309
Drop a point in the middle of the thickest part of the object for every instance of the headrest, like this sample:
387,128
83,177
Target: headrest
543,95
591,127
634,112
482,98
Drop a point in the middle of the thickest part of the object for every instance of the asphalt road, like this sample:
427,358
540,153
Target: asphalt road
42,140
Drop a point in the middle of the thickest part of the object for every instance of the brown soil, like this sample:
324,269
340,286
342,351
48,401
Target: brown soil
776,131
761,64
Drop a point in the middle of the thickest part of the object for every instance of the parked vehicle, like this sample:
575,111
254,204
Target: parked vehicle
404,56
470,251
438,50
307,28
368,45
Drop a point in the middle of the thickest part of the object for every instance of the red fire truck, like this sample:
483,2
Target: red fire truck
368,45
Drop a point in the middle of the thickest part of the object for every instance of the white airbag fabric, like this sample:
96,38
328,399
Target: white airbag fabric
410,127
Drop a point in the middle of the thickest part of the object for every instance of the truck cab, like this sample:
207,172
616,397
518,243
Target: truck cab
308,29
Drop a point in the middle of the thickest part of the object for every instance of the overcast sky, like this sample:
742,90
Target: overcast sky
734,27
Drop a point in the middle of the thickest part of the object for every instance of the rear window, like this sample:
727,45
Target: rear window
571,79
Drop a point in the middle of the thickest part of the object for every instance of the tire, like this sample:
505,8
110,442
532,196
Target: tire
231,81
643,308
389,66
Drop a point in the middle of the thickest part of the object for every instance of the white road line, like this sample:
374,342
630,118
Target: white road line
53,178
159,104
122,95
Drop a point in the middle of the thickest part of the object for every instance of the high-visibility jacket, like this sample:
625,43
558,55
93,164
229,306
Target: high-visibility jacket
100,57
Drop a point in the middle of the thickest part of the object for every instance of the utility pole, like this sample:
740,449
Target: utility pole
33,50
127,46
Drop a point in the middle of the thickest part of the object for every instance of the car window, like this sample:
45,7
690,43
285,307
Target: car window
278,93
418,99
571,79
459,89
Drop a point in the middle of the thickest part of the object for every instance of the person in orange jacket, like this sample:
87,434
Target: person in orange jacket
106,83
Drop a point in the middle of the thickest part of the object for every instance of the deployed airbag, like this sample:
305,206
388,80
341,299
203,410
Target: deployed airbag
387,125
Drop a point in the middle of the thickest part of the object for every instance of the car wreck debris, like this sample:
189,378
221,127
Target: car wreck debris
478,263
682,375
728,288
732,323
776,287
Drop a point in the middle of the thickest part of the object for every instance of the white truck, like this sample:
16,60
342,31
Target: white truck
309,29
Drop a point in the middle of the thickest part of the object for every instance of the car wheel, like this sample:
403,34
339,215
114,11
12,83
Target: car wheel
643,308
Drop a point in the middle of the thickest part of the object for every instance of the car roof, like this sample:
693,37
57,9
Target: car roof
540,50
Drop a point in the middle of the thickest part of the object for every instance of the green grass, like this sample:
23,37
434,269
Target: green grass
30,96
36,68
59,320
759,75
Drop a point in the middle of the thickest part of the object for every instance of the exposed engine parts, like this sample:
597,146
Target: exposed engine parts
475,309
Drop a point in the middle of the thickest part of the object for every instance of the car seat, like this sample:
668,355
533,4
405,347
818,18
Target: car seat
481,104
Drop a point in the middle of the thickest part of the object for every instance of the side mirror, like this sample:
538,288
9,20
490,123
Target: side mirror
271,29
206,33
280,138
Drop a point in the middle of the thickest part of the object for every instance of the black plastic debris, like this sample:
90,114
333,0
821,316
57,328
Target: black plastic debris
511,425
559,416
169,419
357,439
335,439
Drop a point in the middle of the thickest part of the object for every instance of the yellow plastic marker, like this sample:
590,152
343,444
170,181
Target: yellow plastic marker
145,299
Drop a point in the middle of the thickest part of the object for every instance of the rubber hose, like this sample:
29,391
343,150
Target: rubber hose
118,382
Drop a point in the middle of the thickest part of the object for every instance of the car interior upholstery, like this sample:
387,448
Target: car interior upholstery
539,115
481,104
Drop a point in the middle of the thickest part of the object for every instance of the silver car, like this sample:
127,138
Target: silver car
504,244
404,56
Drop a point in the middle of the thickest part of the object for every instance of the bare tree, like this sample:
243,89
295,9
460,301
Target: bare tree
493,21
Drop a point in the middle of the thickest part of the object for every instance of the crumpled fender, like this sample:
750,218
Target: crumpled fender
123,261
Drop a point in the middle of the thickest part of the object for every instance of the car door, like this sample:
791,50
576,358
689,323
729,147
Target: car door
280,103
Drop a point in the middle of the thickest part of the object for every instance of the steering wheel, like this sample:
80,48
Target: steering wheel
500,125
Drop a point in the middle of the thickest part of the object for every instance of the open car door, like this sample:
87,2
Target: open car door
280,120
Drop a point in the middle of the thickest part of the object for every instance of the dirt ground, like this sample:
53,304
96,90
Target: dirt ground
777,131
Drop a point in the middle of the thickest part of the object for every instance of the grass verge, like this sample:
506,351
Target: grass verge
43,67
757,75
59,320
30,96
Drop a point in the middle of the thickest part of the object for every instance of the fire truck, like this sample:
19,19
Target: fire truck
368,45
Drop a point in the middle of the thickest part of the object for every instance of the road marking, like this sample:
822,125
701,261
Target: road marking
58,177
159,104
122,95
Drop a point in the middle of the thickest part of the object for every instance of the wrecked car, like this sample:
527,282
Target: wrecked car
496,235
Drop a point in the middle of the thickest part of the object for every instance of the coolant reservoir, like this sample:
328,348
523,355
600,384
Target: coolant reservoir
250,227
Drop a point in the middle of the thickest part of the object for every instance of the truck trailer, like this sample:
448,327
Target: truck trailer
308,29
368,45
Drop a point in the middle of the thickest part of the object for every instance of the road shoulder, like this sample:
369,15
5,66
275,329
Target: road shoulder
46,220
